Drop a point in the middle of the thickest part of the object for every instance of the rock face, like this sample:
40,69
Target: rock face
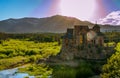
85,43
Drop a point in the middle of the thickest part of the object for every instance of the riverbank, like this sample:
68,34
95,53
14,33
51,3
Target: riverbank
31,71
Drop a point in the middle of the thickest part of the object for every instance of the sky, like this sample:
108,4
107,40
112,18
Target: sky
89,10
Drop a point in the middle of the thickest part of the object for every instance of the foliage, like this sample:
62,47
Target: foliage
84,70
21,49
37,37
109,44
64,72
30,50
112,36
14,48
112,68
37,70
12,62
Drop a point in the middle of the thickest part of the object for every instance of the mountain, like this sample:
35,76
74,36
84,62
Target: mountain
53,24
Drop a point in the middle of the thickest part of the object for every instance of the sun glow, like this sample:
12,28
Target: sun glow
82,9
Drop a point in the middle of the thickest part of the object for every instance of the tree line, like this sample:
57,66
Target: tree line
37,37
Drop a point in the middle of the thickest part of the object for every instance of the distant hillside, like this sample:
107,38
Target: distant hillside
109,28
54,24
50,24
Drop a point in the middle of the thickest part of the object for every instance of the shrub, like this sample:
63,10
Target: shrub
84,70
112,68
65,72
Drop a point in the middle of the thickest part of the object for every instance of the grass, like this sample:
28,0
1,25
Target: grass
14,52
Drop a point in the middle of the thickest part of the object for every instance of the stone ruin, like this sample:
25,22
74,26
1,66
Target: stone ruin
81,42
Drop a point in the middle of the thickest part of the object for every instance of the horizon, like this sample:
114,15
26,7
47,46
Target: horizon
48,17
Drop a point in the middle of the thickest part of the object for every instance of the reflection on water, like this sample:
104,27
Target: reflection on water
12,73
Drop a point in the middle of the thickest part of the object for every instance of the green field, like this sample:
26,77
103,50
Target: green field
14,52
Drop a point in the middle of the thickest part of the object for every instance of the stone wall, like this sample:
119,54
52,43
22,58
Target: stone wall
76,44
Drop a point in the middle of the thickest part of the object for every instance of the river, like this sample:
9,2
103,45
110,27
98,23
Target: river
13,73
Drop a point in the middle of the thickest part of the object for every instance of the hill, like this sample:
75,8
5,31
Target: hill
53,24
56,24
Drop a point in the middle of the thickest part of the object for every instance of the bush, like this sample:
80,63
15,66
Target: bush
37,70
84,70
112,68
64,72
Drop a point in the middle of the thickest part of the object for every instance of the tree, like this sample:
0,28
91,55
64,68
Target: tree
112,68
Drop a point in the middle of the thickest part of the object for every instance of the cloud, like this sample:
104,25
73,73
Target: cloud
113,18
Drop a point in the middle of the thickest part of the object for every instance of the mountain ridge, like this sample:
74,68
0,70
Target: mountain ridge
53,24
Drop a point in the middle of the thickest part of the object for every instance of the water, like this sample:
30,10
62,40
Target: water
13,73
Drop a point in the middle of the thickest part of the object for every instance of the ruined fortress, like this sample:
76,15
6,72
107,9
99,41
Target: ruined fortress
84,42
